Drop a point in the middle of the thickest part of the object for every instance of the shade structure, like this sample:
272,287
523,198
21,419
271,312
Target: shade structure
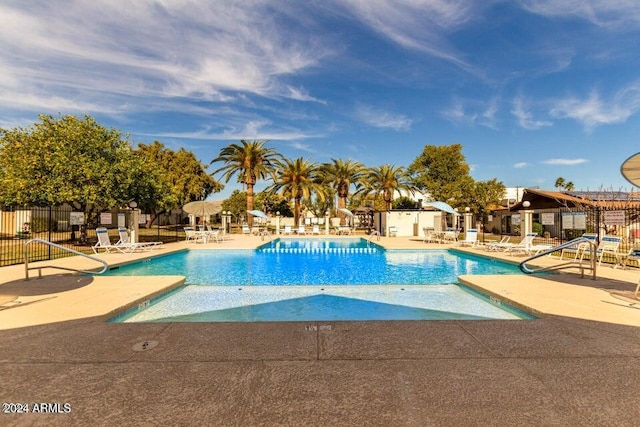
442,206
257,213
346,211
630,169
203,208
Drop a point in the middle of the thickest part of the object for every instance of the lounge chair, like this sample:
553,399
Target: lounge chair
470,238
393,231
609,246
287,230
526,246
124,240
302,230
579,248
315,229
104,242
246,230
499,245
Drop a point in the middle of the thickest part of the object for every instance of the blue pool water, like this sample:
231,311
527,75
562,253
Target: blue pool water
315,279
346,263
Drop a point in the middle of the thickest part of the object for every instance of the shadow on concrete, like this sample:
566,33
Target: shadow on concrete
43,286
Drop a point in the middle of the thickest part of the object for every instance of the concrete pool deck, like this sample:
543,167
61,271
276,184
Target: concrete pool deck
578,364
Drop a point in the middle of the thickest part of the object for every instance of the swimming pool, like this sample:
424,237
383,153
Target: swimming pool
319,279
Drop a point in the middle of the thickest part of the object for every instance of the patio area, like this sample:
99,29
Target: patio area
577,364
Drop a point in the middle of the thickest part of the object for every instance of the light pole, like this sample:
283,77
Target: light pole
277,223
133,221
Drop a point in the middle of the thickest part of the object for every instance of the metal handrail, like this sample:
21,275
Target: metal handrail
55,245
523,265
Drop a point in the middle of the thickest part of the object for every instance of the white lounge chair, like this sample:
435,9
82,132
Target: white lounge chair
470,238
287,230
104,242
393,231
499,245
609,246
525,246
302,230
124,240
579,248
246,230
315,229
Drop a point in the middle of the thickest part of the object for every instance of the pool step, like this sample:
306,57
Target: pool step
320,250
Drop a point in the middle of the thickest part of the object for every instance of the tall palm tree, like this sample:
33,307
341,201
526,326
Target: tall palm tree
387,180
250,160
297,179
341,175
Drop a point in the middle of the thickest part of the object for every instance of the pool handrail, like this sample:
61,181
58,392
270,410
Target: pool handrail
105,265
571,243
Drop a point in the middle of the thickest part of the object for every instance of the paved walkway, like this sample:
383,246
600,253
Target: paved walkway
578,365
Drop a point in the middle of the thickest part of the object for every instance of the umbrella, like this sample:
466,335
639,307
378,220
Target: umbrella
442,206
346,211
258,214
203,208
630,169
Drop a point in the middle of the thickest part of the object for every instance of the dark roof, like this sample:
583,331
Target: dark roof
541,199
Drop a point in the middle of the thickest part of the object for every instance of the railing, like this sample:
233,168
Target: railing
55,245
572,264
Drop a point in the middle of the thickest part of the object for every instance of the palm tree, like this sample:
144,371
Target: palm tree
387,180
250,161
341,175
297,179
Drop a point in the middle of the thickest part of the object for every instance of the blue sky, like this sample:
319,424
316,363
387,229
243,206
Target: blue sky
533,90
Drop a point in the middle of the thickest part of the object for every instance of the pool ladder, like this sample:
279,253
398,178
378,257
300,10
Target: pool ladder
575,263
105,266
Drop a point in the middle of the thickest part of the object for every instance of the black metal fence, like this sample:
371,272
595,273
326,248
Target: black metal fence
76,230
555,226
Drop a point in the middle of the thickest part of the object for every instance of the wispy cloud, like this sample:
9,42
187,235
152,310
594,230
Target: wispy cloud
420,25
604,13
521,165
565,162
254,129
593,111
382,119
525,118
480,113
66,58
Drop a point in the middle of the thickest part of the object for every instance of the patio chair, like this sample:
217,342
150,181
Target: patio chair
302,230
124,240
579,248
499,245
193,235
609,246
525,246
246,230
430,235
393,231
470,238
287,230
315,229
104,242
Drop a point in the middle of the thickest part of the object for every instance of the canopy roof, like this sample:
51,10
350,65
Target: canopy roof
258,213
442,206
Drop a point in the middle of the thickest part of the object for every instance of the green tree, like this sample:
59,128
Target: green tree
341,175
566,185
404,202
65,160
270,203
298,179
386,181
185,177
250,161
484,195
236,203
443,172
